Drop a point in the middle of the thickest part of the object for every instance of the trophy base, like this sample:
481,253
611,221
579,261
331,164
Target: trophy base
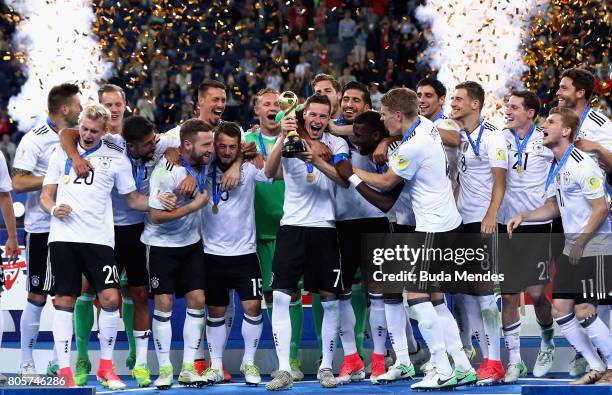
291,148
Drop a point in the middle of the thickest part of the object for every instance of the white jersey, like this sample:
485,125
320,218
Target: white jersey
91,219
524,189
421,162
33,154
596,127
231,231
181,232
122,214
5,178
475,175
349,204
401,213
452,153
310,203
577,182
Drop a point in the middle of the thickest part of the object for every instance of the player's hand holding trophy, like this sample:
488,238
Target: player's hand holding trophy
293,144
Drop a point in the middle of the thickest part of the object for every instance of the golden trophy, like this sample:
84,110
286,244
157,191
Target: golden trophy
293,144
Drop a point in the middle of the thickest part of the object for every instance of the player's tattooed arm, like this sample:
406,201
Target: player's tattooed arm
68,142
24,181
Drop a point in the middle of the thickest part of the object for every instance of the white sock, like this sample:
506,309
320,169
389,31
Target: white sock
413,346
141,338
463,322
30,325
329,331
512,337
162,335
396,326
251,332
108,325
192,333
62,335
347,325
230,313
216,333
200,353
432,331
600,336
452,341
492,325
603,312
281,328
578,338
472,309
378,325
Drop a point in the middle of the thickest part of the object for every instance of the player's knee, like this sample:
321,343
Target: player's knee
36,298
216,311
109,298
163,302
140,295
252,308
195,300
584,310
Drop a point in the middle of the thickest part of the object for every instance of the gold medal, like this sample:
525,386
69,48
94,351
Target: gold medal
519,169
215,209
310,177
66,179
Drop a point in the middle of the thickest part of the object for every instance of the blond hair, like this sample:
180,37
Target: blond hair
95,112
403,100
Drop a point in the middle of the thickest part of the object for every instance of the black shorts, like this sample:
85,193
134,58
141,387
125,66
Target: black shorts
176,270
223,273
557,240
132,254
350,235
588,281
70,261
40,276
470,237
397,228
524,260
308,251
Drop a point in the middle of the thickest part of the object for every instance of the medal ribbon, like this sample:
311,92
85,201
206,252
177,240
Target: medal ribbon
475,147
556,168
137,172
68,164
200,178
217,189
520,147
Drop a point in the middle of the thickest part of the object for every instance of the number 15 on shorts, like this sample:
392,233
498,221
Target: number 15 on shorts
257,284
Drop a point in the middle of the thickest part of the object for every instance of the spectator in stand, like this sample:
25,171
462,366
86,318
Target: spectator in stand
170,103
273,79
347,29
159,73
346,76
375,96
248,64
8,148
4,122
183,79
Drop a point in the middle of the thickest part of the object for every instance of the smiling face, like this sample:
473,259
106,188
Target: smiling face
144,149
554,130
266,109
462,106
316,118
353,104
114,102
392,120
430,104
517,116
201,149
365,139
567,94
212,105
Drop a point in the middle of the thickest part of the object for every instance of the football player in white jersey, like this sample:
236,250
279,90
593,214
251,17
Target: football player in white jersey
307,241
354,216
29,169
175,253
421,162
11,248
525,259
482,168
144,148
81,236
230,255
594,137
575,189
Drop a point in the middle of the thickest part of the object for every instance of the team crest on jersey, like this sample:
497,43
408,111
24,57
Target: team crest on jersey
594,182
500,154
567,177
35,281
538,148
400,161
154,282
434,133
105,163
